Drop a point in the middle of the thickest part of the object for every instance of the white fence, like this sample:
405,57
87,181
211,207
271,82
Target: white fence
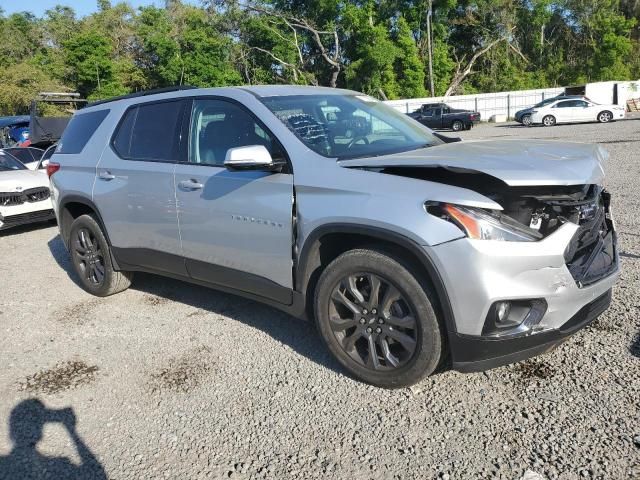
488,104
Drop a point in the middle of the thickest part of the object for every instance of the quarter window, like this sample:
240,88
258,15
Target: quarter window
151,132
79,130
217,126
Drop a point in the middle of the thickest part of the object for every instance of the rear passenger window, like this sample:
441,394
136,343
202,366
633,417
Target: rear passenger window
150,132
79,131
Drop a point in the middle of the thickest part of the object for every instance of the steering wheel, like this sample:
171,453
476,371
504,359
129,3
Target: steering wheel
357,139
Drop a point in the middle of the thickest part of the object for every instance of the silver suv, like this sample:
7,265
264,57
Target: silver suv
409,250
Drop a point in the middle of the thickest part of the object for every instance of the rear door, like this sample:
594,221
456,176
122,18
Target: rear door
433,117
236,226
584,111
134,188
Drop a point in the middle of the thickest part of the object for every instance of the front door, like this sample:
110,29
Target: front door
564,111
235,226
135,187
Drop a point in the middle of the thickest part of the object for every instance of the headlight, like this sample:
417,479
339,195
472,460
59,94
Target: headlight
534,111
481,224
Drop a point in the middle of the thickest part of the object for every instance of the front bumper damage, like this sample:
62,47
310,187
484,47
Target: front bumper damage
571,272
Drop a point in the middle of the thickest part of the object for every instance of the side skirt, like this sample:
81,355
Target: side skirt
224,279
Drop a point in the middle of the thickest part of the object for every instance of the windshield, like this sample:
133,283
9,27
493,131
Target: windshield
8,162
349,126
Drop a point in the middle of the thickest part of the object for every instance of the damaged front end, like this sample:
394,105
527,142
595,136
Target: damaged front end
532,213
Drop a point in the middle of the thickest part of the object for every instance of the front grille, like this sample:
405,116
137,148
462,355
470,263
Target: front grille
591,254
8,199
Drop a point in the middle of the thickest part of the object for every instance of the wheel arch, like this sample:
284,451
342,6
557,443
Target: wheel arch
326,242
73,206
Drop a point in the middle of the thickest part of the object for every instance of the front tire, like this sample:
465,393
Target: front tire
605,117
549,121
526,120
457,126
91,259
377,318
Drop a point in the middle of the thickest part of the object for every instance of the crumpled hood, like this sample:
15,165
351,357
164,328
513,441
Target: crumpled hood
515,162
21,180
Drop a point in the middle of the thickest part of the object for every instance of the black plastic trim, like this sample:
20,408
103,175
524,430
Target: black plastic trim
238,280
387,236
225,279
475,354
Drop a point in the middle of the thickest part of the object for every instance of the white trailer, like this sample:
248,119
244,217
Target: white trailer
613,92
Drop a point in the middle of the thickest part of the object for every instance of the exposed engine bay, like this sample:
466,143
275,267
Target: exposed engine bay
538,211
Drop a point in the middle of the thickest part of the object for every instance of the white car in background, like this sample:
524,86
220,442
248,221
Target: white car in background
575,111
24,193
29,156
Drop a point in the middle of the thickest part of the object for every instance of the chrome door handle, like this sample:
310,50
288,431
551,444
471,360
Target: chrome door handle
190,185
105,175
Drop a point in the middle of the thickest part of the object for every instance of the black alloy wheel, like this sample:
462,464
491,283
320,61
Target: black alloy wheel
88,256
376,313
91,259
372,321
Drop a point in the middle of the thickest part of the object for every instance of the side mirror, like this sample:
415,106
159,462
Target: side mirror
252,157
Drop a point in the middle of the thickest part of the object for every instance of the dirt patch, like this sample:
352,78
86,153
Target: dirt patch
602,325
154,300
182,374
532,369
78,313
62,376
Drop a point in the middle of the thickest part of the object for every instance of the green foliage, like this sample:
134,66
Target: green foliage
20,84
380,47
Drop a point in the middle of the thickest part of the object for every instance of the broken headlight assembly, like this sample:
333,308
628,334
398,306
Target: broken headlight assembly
481,224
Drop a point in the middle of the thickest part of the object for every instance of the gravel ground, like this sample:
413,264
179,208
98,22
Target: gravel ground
171,380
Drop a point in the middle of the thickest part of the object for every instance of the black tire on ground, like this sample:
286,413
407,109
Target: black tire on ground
605,116
549,121
457,125
91,259
394,365
526,120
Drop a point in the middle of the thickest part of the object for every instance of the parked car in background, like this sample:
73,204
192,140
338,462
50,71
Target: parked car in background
524,116
14,131
575,111
46,156
24,194
442,116
405,250
29,156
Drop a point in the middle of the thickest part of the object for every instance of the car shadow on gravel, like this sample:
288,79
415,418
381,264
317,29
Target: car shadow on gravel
301,336
26,428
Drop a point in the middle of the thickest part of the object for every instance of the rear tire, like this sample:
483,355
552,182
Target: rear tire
91,259
457,126
605,116
549,121
399,321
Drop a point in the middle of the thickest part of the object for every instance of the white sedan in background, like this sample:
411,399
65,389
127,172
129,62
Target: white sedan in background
575,111
24,193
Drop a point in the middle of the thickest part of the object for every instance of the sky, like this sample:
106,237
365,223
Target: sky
82,7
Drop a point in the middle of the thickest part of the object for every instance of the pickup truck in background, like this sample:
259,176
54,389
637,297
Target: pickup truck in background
441,115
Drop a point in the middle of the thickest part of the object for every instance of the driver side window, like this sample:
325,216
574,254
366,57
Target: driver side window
218,125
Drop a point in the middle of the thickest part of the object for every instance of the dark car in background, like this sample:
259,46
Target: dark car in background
442,116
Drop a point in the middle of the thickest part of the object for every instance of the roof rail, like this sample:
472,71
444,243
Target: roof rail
143,93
